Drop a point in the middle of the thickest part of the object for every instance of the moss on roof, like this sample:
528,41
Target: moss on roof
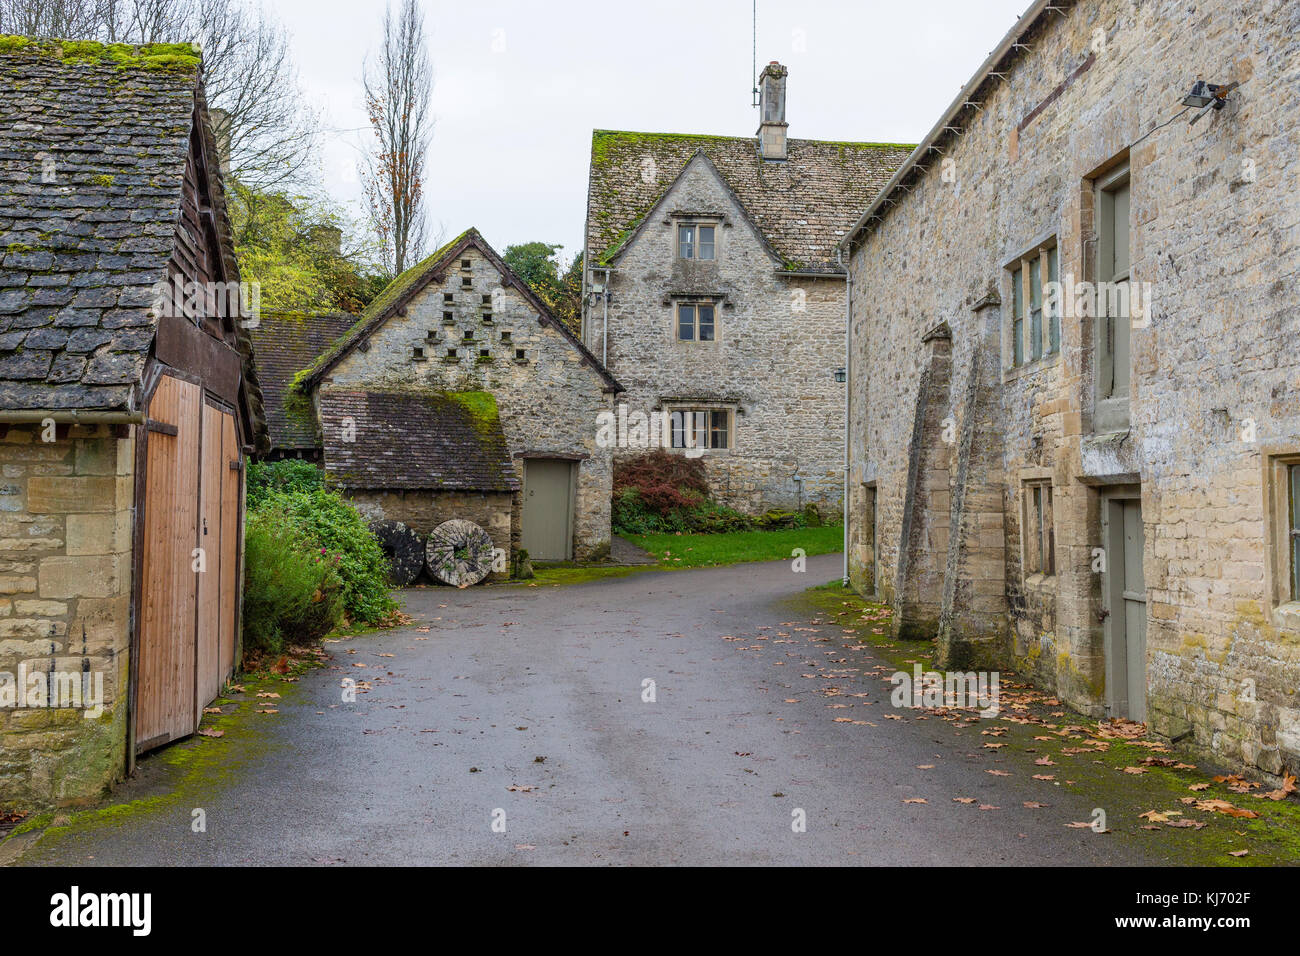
377,307
182,57
801,206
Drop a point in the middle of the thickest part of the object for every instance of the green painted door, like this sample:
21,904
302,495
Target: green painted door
548,509
1126,606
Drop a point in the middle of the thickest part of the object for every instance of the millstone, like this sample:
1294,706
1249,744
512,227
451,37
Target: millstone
403,548
459,553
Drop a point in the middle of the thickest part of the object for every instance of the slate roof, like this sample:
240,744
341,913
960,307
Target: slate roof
409,284
93,144
284,343
803,207
416,440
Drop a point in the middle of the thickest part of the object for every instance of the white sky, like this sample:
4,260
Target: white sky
520,85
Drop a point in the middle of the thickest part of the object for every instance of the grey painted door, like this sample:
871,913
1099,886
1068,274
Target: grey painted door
1126,604
548,509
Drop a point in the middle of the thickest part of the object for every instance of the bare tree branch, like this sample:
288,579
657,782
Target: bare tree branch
398,88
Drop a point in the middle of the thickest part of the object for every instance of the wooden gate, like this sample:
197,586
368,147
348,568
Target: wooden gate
189,562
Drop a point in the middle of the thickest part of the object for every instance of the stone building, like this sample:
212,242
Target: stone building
713,290
127,399
1075,380
457,394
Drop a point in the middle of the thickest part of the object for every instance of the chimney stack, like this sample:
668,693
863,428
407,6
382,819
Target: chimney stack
221,133
772,126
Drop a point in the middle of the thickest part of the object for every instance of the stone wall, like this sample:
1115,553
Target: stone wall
1215,397
778,343
548,401
422,511
65,586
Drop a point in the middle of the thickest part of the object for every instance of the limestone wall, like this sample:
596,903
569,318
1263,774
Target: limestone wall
65,585
1215,229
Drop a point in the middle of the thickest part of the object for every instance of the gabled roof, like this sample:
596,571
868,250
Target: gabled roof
411,282
93,145
802,207
965,106
415,440
283,344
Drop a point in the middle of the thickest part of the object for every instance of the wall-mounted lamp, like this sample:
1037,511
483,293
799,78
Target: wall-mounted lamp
841,376
1206,96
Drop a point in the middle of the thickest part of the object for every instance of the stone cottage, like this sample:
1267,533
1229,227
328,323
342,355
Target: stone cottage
1075,386
457,394
714,292
127,401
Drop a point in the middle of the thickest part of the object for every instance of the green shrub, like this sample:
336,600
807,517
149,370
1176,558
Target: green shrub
292,595
324,522
288,476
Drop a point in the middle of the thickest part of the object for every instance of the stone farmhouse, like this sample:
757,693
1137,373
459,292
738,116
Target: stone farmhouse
458,394
127,404
1075,382
714,292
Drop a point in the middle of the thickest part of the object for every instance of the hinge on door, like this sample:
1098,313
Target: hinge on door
236,464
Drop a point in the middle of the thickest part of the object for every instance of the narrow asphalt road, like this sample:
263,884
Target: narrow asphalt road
524,705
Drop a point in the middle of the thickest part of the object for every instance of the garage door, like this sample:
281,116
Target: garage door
188,562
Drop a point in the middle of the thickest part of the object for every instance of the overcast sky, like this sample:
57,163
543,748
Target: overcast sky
520,85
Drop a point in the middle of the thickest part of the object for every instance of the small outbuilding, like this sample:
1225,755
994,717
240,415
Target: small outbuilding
127,403
458,394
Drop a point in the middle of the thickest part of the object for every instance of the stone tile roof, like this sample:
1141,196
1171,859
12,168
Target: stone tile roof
285,343
93,144
803,206
416,440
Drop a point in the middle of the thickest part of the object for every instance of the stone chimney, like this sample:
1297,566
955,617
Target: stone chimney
772,125
221,132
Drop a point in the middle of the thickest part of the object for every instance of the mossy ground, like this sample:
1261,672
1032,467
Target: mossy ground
1033,726
184,774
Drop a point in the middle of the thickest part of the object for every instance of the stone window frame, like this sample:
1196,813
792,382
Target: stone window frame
1110,413
730,410
713,302
1038,252
1281,467
1032,531
694,223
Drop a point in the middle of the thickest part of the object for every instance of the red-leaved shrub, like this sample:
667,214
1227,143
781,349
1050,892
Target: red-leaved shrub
664,482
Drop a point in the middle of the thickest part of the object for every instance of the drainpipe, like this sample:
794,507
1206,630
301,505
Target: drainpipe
848,391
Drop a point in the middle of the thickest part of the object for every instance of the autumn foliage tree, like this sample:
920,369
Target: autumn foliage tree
398,86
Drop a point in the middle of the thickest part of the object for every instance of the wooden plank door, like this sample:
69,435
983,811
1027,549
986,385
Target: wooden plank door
231,542
211,463
165,665
547,509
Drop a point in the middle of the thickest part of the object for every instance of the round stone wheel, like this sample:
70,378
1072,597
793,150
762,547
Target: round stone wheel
403,548
459,553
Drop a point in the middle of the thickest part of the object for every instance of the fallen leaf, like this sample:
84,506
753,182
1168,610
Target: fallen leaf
915,800
209,732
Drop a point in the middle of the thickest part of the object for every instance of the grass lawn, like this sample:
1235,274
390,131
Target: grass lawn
706,550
